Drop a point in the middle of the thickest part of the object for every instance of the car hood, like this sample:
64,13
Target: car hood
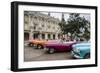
82,44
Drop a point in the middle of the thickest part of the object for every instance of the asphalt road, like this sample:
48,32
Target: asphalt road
32,54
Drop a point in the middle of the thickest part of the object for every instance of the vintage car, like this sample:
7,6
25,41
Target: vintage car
58,46
39,43
81,50
31,42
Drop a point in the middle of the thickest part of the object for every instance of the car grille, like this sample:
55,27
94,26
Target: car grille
75,52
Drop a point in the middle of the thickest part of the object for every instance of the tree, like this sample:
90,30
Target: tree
77,26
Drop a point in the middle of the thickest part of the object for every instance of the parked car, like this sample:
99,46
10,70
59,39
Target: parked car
31,42
39,43
58,46
81,50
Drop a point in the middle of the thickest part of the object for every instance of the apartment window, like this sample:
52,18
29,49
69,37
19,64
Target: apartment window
26,36
35,35
49,36
59,36
34,27
43,36
49,21
42,19
53,36
35,17
49,26
43,25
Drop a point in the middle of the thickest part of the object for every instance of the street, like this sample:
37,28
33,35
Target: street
33,54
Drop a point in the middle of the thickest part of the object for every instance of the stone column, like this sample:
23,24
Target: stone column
46,36
30,35
51,36
56,36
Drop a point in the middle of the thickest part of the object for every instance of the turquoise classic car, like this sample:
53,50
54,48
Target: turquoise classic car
81,50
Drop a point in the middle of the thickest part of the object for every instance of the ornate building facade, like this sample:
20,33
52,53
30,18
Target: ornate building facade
40,26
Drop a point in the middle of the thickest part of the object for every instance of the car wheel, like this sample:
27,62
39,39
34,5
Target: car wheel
30,44
39,46
51,50
87,56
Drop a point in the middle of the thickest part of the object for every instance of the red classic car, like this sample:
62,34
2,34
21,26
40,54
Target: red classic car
59,46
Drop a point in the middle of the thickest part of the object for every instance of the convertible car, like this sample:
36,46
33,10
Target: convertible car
81,50
58,46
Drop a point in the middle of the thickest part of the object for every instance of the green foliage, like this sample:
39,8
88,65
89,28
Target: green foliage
76,25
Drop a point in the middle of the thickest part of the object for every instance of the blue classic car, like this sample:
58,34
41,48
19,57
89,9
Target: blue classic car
81,50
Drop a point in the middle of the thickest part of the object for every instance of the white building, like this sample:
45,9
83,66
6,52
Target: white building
41,26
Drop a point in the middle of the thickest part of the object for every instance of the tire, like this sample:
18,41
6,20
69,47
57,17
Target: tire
87,56
39,46
30,44
51,51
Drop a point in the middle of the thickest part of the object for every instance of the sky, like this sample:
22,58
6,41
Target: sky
66,15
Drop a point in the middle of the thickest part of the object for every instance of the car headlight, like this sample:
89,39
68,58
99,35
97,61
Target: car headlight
76,50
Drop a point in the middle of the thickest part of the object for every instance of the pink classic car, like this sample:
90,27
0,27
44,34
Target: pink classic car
58,46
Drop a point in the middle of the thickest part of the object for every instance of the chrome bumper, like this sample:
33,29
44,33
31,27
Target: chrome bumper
75,55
